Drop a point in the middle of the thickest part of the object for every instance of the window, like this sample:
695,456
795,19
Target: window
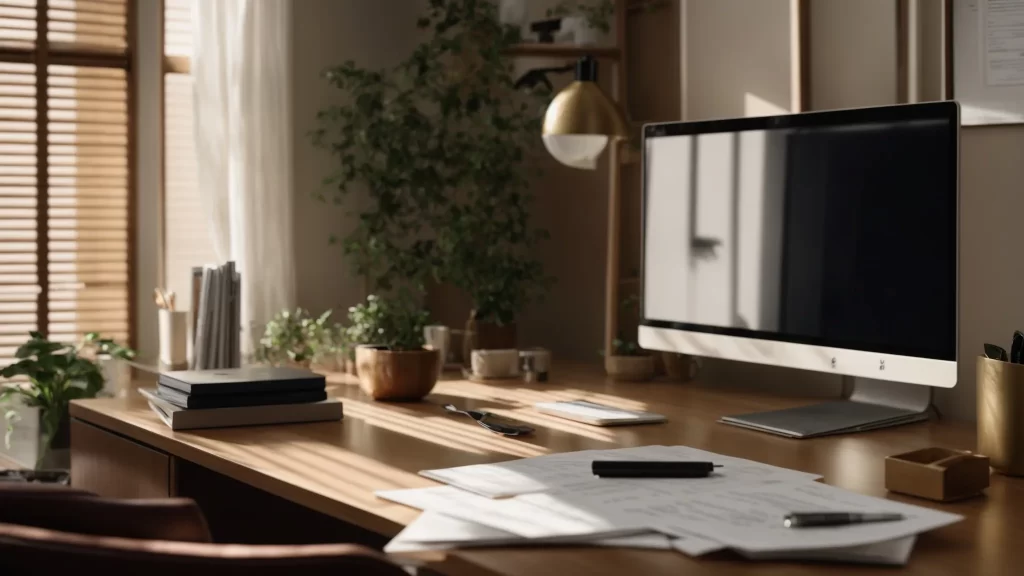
187,240
65,193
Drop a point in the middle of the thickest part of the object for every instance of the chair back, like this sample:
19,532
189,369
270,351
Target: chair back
31,550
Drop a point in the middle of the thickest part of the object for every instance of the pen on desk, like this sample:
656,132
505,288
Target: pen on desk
651,469
822,519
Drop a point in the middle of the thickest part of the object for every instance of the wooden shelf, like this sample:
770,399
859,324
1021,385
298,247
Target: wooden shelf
629,156
545,50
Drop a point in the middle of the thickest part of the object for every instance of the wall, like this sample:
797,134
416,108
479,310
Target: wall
737,58
853,53
327,33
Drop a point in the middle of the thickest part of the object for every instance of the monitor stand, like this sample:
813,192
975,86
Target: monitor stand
869,404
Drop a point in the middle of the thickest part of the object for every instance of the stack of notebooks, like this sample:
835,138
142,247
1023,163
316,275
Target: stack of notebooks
191,399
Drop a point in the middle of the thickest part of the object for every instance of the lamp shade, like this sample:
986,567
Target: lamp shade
579,122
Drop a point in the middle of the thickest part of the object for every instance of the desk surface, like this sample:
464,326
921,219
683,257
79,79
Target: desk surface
335,467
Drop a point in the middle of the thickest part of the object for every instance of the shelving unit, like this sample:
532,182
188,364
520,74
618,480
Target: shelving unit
624,159
542,50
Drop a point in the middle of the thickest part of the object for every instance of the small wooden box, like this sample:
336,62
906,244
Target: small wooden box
937,474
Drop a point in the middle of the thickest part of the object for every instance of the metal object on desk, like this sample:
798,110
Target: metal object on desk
1001,414
492,422
535,364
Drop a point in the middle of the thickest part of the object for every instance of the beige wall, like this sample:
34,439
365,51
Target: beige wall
853,53
737,58
326,33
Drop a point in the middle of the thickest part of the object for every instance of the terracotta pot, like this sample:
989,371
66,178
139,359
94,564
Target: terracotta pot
629,368
680,367
396,376
484,335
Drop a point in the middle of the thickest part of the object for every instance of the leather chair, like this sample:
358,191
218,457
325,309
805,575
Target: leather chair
51,529
80,512
31,550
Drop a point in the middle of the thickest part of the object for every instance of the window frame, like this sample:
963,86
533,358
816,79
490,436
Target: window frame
42,56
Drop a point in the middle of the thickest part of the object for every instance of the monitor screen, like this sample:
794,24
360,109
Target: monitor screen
836,229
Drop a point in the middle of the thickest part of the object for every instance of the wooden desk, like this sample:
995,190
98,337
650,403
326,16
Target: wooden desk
334,468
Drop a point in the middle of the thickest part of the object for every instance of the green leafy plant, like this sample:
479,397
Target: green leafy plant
292,336
440,145
622,346
56,376
334,346
396,323
598,14
101,346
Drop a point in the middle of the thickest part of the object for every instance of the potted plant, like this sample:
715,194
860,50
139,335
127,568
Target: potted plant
440,145
112,359
391,362
56,375
588,20
628,361
292,338
334,352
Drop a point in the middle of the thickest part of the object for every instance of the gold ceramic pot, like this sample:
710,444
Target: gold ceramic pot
1001,414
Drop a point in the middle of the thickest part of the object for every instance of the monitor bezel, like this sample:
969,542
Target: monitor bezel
860,359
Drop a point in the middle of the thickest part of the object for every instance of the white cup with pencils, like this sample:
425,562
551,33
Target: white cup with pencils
173,330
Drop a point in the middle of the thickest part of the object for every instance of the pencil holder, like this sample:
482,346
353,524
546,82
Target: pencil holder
1001,414
173,328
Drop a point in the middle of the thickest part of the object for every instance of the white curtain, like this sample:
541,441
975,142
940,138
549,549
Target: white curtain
243,127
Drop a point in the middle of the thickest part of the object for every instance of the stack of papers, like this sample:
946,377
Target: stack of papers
556,500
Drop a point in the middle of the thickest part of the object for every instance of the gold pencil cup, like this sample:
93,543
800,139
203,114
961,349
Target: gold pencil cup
1001,414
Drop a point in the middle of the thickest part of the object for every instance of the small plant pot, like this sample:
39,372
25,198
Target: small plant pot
629,368
484,335
397,376
57,454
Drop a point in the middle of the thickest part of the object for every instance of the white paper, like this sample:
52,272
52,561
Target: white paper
1003,33
573,469
438,531
510,515
750,517
893,553
434,531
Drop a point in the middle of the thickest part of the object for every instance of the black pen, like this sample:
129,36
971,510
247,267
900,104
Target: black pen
822,519
651,469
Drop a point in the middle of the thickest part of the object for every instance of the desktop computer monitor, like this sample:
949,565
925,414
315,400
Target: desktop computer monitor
822,241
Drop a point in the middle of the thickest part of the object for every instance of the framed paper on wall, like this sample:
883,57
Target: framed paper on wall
988,60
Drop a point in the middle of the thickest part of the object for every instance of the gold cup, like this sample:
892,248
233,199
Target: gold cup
1001,414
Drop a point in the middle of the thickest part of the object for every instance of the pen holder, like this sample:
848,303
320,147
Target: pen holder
1001,414
173,329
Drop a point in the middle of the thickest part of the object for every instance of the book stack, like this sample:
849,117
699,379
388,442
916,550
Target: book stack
217,318
191,399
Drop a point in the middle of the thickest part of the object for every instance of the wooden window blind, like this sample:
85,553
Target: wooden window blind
187,241
64,170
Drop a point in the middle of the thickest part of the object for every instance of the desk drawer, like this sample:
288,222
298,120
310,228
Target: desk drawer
113,466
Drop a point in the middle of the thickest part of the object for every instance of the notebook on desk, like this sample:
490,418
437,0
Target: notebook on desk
248,380
178,418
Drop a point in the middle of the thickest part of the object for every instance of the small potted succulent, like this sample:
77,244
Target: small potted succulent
391,362
56,375
292,338
629,362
